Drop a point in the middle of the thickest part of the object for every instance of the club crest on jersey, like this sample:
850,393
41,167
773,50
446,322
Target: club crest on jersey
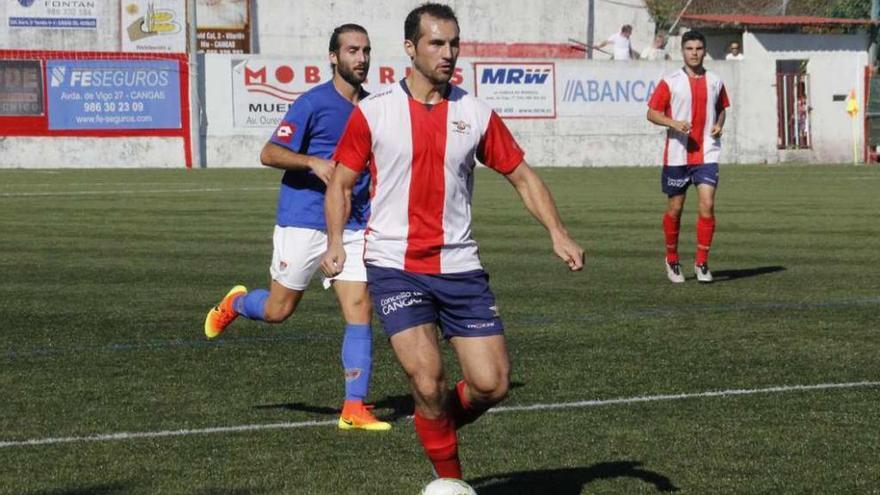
352,374
282,265
461,127
285,131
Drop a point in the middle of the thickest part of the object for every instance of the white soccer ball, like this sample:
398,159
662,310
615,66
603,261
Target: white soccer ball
447,486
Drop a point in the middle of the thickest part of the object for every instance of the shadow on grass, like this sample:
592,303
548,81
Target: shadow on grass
567,481
728,275
227,491
401,406
119,488
102,489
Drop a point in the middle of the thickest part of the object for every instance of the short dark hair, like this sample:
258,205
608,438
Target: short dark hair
693,35
411,26
625,28
345,28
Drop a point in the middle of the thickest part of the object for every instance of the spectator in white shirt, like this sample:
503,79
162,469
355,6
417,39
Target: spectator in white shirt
734,51
622,46
657,50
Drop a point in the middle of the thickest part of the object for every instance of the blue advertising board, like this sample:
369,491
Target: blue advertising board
113,94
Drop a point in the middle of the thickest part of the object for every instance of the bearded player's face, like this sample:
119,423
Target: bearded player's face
353,58
436,52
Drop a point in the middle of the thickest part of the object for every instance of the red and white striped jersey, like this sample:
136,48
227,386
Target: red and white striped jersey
421,158
697,100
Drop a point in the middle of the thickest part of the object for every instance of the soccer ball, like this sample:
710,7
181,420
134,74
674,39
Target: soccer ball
447,486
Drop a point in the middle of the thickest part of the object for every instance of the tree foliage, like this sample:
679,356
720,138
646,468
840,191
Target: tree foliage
664,12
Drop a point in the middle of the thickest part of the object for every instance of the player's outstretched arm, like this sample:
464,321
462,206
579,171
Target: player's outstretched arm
279,157
539,202
337,208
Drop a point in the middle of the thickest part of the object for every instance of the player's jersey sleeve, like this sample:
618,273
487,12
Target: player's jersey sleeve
498,149
356,144
722,102
293,128
661,97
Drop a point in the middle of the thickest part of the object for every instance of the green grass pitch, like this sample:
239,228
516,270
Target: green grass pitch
106,276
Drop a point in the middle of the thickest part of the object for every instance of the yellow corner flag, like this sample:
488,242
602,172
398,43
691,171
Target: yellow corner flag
852,104
852,108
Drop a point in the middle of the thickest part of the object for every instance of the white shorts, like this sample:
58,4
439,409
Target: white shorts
297,255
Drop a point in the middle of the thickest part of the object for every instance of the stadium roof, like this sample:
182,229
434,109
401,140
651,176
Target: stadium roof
770,21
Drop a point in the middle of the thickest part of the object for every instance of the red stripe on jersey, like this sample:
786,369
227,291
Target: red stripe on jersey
668,113
427,189
497,149
699,97
356,144
374,181
722,102
660,102
660,98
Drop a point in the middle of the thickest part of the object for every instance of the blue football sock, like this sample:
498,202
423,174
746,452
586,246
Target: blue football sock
357,359
252,305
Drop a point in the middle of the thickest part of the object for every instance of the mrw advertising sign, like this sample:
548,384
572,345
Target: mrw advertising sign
52,14
113,94
518,90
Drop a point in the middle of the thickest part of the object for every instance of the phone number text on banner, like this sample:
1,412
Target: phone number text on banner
113,94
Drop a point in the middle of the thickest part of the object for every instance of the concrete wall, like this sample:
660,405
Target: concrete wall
87,152
835,64
594,133
302,32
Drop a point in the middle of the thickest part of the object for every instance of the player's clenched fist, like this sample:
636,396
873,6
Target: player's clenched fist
570,252
332,261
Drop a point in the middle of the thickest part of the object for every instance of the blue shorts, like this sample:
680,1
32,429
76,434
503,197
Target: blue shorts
675,180
461,303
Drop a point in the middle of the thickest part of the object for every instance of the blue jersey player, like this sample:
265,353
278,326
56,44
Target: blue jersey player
302,146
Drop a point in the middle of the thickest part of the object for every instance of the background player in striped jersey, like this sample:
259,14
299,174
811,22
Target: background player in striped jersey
691,102
420,139
302,146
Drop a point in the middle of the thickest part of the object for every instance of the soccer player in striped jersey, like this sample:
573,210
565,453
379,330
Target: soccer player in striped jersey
420,139
691,103
302,146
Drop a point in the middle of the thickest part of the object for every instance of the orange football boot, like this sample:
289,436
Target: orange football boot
222,314
356,416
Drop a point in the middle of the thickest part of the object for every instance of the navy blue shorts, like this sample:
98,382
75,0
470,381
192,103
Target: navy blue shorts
461,303
675,180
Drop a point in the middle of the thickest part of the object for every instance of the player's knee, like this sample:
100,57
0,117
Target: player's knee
360,307
707,208
429,388
491,389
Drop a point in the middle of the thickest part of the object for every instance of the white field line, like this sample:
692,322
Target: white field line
133,191
534,407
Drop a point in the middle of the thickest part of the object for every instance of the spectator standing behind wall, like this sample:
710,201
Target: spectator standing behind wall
621,43
734,51
657,50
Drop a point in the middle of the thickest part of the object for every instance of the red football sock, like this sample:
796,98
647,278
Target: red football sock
705,231
670,230
441,444
463,412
